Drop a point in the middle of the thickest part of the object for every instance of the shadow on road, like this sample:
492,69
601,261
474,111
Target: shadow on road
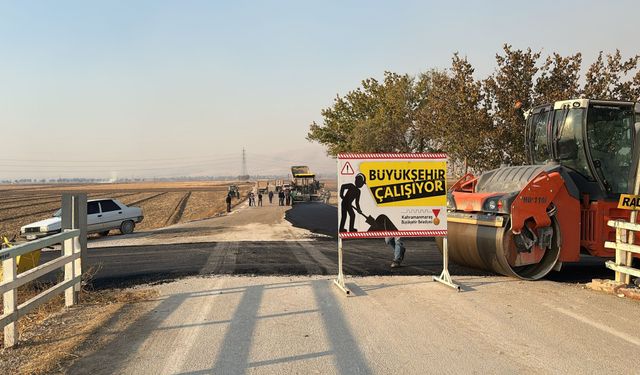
233,356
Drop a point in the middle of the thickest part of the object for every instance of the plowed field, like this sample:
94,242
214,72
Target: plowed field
164,203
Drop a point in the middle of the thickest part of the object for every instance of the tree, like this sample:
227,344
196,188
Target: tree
453,117
478,123
433,89
507,92
607,80
559,78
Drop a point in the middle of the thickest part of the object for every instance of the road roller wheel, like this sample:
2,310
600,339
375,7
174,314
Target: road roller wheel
494,249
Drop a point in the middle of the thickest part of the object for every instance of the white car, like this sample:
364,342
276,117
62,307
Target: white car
103,215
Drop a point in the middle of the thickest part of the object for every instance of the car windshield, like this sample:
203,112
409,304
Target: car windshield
610,136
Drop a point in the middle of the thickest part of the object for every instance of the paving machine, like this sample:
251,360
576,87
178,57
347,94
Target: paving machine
304,187
524,221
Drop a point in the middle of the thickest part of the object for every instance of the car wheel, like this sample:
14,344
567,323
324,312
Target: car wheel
105,233
127,227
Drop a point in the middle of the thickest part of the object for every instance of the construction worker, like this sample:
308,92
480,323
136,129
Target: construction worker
281,198
229,201
260,199
398,250
271,197
287,197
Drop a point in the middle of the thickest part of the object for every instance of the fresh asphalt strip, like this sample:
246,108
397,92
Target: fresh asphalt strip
130,265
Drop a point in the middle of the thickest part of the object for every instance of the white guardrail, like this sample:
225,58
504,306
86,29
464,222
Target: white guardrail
73,240
624,248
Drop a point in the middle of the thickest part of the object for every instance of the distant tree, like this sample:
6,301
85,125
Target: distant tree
377,117
606,78
559,78
508,91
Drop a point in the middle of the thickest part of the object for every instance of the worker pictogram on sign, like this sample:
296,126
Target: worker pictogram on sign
347,169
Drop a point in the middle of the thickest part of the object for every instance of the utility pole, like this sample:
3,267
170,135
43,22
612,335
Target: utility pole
244,175
244,163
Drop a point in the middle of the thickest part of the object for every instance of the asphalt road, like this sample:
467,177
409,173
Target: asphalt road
257,241
393,325
219,323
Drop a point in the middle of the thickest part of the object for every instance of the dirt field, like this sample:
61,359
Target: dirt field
164,203
332,186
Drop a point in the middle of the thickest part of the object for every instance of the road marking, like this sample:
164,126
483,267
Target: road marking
630,339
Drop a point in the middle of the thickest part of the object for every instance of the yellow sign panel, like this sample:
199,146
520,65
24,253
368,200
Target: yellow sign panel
629,202
406,183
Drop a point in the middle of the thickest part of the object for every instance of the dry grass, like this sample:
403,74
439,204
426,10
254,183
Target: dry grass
51,336
330,184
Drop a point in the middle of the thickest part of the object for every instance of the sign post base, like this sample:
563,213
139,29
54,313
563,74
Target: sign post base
339,282
445,276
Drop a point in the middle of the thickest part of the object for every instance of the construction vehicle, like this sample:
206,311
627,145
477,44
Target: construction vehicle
304,187
262,186
234,191
524,221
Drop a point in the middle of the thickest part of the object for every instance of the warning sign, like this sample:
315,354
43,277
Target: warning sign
392,195
347,169
629,202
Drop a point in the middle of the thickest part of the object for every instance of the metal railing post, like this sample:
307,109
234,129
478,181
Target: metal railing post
9,300
70,297
80,243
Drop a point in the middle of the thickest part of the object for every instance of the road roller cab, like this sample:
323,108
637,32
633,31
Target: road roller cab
525,221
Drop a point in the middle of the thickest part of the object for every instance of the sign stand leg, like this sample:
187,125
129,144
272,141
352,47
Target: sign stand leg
445,277
339,282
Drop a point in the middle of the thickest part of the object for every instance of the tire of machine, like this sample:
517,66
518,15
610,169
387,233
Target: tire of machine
486,248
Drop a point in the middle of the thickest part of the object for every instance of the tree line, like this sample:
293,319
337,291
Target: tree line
478,122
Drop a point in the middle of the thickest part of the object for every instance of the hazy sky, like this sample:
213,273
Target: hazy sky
165,88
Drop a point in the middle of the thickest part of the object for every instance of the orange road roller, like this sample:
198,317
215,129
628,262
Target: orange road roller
525,221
